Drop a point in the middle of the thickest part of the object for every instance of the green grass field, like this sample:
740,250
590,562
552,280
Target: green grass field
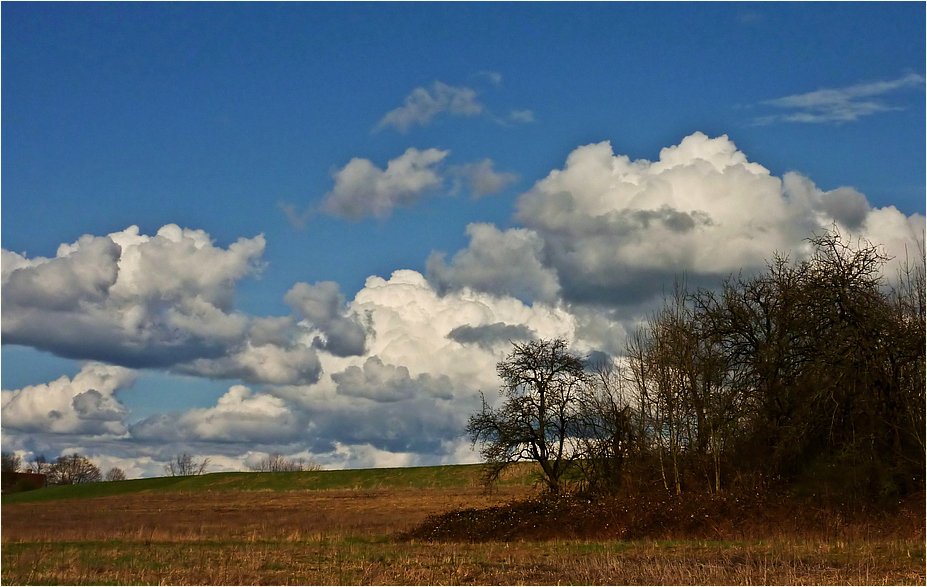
446,476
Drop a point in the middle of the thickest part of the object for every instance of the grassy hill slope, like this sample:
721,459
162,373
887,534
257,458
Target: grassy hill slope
412,477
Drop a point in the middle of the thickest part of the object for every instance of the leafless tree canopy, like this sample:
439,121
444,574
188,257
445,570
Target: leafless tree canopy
73,469
811,373
276,463
38,464
11,463
541,383
184,465
115,474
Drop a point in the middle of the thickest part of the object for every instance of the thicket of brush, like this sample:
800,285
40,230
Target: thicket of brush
807,380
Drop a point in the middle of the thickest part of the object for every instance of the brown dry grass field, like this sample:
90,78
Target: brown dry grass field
324,537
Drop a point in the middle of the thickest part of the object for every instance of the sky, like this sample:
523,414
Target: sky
236,229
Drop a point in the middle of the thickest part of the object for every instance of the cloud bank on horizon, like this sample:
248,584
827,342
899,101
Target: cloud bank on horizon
390,376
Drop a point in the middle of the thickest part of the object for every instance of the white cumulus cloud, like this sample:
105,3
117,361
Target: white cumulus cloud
507,262
85,404
612,231
362,189
165,302
128,298
239,416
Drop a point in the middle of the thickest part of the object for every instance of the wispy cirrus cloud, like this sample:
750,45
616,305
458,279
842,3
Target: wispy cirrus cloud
521,116
296,218
424,104
483,179
493,76
840,105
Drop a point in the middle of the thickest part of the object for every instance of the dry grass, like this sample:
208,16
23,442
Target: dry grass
243,515
344,537
344,561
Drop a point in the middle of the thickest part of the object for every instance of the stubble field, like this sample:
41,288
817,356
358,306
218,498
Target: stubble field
351,536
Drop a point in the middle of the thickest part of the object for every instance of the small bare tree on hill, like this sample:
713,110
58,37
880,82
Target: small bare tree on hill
39,464
277,463
541,382
184,465
115,474
72,469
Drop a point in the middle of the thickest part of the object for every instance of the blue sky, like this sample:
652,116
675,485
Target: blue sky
325,144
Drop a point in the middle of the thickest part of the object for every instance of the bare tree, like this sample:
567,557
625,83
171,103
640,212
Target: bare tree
184,465
608,430
39,464
72,469
909,305
115,474
810,371
277,463
539,419
11,463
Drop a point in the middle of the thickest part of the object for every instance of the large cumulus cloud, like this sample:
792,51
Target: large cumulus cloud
405,400
416,385
85,404
164,302
128,298
240,416
322,306
510,262
428,357
613,231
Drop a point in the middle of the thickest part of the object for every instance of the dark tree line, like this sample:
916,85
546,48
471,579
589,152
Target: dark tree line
811,375
277,463
65,470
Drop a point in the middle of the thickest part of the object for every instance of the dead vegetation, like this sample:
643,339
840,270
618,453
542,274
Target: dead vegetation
342,561
239,515
347,537
659,516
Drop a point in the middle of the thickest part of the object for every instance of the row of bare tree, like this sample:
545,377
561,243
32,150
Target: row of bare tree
810,374
65,470
75,468
277,463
